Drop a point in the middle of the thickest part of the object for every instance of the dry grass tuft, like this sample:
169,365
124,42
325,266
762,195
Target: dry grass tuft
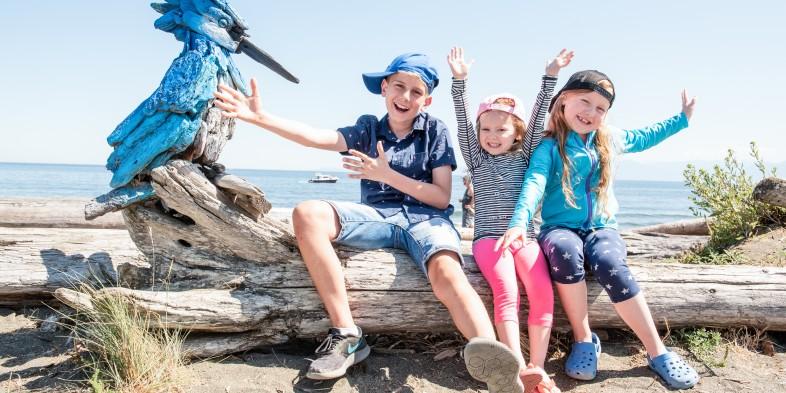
749,339
123,353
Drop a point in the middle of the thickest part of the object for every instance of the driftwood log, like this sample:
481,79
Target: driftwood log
235,278
771,190
52,213
34,262
692,227
70,213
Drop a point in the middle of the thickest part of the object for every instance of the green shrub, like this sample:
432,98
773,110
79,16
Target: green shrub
703,343
725,193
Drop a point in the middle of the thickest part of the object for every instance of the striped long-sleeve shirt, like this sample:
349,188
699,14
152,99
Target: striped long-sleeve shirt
497,179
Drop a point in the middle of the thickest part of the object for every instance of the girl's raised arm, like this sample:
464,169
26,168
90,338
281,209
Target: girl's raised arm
540,109
634,141
468,141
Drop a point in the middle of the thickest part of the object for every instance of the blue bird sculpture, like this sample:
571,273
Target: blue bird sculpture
178,120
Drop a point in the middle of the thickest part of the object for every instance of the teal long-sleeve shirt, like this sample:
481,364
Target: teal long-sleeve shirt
544,177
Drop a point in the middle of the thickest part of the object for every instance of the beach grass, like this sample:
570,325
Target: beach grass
122,352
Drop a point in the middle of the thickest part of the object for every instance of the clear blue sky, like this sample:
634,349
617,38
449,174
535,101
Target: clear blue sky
73,70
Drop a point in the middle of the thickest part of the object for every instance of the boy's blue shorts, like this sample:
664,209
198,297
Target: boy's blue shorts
363,227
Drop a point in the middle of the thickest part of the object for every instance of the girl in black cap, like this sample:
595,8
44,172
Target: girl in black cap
571,171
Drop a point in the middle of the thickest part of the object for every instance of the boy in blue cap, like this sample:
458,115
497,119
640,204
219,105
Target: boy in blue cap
404,161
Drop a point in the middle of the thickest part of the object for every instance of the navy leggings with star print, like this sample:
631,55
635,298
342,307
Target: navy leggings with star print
570,251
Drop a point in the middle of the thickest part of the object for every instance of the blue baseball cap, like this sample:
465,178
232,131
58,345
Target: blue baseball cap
416,63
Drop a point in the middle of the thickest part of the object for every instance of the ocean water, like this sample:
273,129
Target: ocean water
641,202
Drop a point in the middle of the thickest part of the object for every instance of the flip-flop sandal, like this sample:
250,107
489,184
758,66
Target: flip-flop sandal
536,380
674,370
532,377
582,362
548,387
492,362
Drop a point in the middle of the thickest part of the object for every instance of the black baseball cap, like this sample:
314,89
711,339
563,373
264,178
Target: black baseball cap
587,80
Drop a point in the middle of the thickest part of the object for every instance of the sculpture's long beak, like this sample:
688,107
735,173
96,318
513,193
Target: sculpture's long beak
265,59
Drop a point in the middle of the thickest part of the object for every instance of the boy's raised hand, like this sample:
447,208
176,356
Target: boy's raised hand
561,61
366,167
236,105
458,66
688,104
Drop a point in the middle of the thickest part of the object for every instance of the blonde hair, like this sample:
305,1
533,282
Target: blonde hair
518,125
558,129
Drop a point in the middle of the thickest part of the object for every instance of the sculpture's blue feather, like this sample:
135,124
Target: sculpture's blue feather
198,69
129,124
176,128
169,21
163,8
186,138
137,135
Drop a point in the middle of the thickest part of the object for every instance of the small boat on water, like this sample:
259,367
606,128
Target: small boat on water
320,178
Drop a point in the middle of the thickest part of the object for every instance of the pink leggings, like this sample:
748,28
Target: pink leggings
501,269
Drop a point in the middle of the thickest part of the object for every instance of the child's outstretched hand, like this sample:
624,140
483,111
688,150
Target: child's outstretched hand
236,105
688,104
458,66
366,167
511,235
561,61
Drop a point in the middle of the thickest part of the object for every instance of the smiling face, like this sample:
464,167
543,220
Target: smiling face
405,97
584,111
497,132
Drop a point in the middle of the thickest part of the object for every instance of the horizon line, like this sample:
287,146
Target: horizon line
456,173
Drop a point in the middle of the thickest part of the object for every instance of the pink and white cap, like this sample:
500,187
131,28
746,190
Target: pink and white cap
517,109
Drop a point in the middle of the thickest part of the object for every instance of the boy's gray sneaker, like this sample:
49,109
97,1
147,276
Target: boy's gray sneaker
492,362
336,354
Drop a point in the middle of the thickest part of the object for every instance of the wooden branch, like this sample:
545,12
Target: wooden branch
219,130
692,227
244,194
771,190
118,199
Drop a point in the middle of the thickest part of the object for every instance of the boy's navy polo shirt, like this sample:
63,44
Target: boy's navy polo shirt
428,146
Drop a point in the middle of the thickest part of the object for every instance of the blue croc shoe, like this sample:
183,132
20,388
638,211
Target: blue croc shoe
675,371
582,362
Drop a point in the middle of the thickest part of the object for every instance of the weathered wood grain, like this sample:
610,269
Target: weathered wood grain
36,261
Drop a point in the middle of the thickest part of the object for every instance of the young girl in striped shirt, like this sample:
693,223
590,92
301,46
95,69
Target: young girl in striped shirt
497,156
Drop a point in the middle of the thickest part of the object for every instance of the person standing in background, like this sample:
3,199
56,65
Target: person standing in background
468,203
